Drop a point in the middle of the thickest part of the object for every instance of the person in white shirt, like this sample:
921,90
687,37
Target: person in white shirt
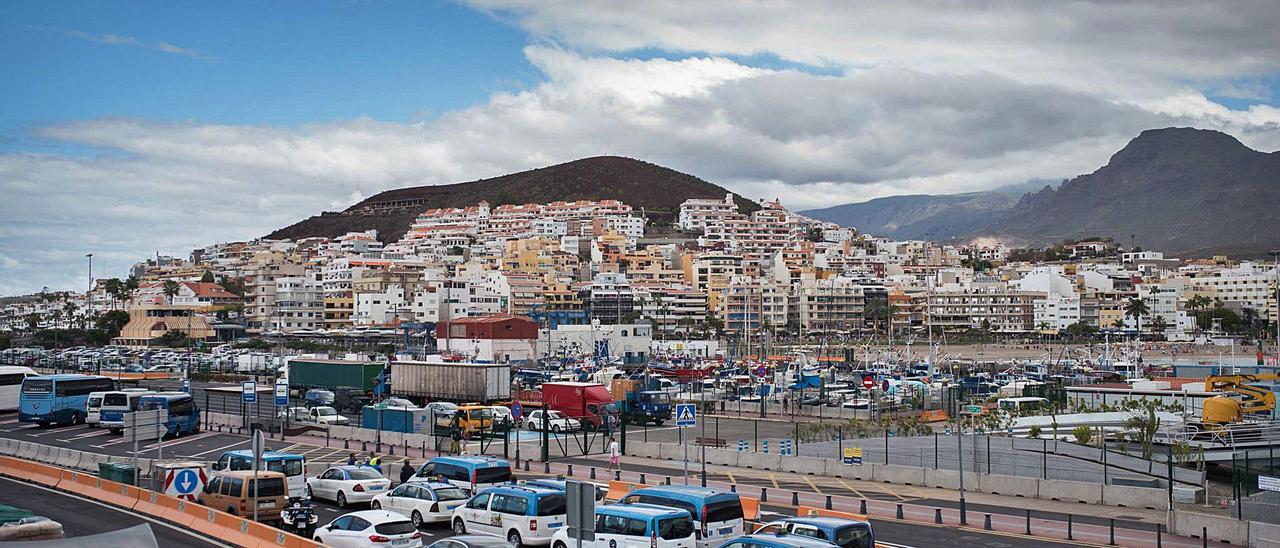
615,455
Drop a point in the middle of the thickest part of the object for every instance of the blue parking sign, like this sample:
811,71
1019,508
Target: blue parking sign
282,395
249,392
516,410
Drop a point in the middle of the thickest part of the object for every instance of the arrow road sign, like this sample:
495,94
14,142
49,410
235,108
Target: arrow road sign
686,414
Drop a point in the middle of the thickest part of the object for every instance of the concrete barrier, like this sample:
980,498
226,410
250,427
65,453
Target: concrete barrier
1012,485
946,479
760,461
68,458
804,465
1137,497
1264,535
27,450
1070,491
901,475
1221,528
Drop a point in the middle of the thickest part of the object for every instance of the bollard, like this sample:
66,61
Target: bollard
1028,521
617,475
795,498
570,472
862,507
1159,539
379,447
364,447
346,444
391,450
1069,524
593,472
668,480
733,488
828,502
899,510
642,477
406,446
937,515
1112,542
1204,537
326,437
764,494
526,465
424,451
546,468
986,521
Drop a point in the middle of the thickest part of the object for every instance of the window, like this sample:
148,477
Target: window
332,474
359,524
37,387
240,463
479,502
806,531
214,486
856,536
510,504
342,523
448,493
288,467
11,379
613,525
404,490
725,510
675,528
636,527
363,474
395,528
497,474
552,505
271,487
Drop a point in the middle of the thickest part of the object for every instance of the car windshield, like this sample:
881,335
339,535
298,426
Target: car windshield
37,386
326,412
450,493
551,505
363,474
675,528
556,415
288,467
481,413
496,474
395,528
95,402
854,536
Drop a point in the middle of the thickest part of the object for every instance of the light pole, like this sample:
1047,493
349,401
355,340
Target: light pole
89,295
1275,254
960,464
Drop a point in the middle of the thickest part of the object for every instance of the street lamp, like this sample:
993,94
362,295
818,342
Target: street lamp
1275,254
89,295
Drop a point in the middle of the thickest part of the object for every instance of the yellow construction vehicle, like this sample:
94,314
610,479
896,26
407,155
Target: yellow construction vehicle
1224,409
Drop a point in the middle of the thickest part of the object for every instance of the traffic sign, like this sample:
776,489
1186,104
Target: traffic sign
516,410
1268,483
249,392
146,425
853,455
258,446
282,395
184,483
686,414
884,385
868,382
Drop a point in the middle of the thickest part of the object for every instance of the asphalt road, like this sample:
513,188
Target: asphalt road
80,517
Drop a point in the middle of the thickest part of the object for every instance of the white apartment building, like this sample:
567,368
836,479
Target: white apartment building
1250,285
696,212
1056,312
299,304
381,308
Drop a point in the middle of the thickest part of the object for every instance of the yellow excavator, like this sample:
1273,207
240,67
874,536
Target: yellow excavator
1224,409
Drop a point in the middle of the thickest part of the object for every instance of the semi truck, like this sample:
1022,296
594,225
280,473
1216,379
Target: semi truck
306,373
451,381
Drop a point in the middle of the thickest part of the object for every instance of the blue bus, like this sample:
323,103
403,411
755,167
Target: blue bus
59,398
184,414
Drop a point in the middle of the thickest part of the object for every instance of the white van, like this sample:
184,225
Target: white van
525,516
93,409
118,403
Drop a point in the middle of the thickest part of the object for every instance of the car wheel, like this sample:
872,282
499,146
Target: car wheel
555,428
513,538
375,505
77,418
658,422
341,500
416,518
592,427
231,510
558,544
459,528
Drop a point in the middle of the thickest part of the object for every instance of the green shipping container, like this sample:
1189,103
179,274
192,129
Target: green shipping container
121,473
315,373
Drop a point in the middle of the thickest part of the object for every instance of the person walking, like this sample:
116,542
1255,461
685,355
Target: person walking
615,455
406,472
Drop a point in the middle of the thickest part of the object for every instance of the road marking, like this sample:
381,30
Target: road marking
196,437
813,485
774,479
850,488
731,479
86,435
110,443
223,448
123,511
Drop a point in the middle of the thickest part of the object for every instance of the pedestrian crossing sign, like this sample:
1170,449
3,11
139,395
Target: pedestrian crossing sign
686,414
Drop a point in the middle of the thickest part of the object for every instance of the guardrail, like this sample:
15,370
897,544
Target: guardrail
212,523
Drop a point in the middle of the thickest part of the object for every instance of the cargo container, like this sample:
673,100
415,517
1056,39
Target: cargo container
307,373
394,419
451,381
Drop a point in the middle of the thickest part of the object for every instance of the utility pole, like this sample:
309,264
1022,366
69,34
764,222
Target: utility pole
960,466
1275,254
88,296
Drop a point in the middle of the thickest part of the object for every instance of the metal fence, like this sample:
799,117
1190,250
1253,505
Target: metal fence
1255,476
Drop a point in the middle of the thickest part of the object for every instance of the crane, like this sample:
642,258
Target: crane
1224,409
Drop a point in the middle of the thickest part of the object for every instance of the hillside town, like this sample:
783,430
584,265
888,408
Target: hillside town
711,273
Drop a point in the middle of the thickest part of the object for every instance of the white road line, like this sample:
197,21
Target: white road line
87,435
123,511
223,448
168,444
109,444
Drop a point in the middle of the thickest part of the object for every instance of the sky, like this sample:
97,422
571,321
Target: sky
128,129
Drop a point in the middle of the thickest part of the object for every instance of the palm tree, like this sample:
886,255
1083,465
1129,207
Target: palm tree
69,311
1158,325
170,290
1250,317
113,287
33,322
1137,308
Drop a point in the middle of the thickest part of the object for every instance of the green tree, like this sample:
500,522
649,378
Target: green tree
1081,329
173,339
1083,434
113,286
1158,325
1136,308
207,277
170,290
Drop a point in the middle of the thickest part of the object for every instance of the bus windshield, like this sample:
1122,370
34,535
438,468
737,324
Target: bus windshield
37,387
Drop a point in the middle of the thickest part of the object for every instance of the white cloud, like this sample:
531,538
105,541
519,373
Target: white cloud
925,100
112,39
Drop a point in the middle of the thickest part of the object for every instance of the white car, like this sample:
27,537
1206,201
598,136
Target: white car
502,415
347,484
556,421
326,415
422,501
376,528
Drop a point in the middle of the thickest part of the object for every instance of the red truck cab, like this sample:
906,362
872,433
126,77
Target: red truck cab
586,401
